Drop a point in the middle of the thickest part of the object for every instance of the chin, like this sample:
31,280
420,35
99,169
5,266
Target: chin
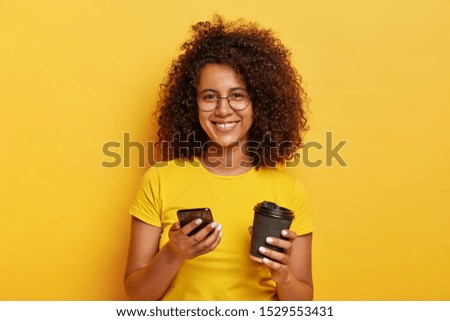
225,141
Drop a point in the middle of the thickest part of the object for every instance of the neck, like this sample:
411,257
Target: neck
226,160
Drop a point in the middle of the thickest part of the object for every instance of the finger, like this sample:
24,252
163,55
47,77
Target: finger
282,244
175,226
280,268
290,235
217,242
210,243
274,255
204,232
185,230
174,229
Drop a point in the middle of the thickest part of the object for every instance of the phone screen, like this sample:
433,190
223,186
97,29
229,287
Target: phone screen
188,215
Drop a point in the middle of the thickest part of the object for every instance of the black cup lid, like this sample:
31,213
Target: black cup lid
272,209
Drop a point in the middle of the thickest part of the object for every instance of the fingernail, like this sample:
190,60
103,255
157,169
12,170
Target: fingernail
262,249
284,232
198,221
265,260
213,225
220,234
269,240
220,227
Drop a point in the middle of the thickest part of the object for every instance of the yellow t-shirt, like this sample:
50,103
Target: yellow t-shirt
227,273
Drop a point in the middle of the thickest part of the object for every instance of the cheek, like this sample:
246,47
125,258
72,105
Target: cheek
202,120
251,118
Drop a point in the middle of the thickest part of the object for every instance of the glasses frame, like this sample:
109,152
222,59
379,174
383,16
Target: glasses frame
219,98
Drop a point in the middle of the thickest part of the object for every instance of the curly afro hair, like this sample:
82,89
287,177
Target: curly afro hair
263,62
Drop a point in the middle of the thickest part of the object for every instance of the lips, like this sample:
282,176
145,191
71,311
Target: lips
225,125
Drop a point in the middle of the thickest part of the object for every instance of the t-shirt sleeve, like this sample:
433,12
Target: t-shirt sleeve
147,204
303,222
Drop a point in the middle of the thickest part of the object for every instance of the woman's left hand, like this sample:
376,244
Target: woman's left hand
277,262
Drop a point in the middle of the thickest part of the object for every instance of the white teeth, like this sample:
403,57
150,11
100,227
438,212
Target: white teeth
226,125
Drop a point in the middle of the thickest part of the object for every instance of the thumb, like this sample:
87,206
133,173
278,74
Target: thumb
175,226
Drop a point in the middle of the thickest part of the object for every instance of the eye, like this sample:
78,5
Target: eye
209,97
238,95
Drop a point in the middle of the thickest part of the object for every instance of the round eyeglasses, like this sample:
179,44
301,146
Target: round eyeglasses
208,100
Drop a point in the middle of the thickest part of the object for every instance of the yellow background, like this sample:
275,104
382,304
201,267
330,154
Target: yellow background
77,74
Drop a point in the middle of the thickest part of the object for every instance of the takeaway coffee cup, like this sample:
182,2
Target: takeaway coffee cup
269,220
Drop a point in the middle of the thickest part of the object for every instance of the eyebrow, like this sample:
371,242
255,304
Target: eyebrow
213,90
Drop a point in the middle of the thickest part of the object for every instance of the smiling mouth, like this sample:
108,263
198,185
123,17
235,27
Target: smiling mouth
225,125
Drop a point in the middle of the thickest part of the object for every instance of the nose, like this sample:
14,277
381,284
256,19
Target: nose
223,107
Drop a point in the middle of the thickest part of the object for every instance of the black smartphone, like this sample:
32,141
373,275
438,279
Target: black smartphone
188,215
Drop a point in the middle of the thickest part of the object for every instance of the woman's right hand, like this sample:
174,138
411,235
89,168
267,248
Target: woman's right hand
185,247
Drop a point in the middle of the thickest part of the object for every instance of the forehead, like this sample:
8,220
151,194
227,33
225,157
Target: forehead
219,77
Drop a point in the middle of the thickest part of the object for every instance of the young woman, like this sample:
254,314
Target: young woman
231,110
